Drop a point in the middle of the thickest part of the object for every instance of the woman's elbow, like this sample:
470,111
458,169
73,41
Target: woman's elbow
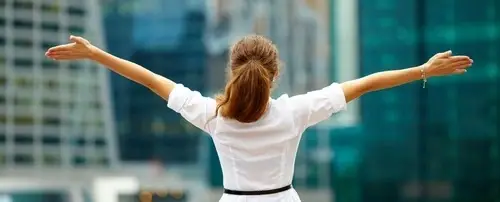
160,85
149,84
358,87
152,81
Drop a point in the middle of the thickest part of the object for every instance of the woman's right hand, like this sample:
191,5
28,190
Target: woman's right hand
443,64
80,48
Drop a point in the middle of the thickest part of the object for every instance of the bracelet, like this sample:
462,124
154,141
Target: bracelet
424,78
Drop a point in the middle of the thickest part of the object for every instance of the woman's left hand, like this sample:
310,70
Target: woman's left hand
445,63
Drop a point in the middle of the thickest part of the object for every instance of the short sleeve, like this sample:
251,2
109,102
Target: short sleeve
316,106
192,106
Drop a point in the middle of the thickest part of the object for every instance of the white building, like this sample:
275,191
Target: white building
56,124
52,114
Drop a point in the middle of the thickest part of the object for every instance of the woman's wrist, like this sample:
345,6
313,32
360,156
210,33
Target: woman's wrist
93,52
424,73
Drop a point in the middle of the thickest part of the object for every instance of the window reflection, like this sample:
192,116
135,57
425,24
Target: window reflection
22,4
24,82
49,26
51,8
34,196
18,23
52,159
23,43
76,11
23,159
22,62
20,120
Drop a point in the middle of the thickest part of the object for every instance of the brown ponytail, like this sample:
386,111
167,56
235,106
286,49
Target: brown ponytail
253,67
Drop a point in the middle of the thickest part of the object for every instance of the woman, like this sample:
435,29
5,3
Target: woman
256,137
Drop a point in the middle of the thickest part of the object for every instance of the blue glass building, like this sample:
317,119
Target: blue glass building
444,137
165,37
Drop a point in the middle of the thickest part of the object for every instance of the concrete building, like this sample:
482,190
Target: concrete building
52,114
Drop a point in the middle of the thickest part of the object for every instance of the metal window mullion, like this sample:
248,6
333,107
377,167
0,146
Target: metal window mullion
80,113
9,89
94,22
64,131
6,63
37,88
347,52
89,132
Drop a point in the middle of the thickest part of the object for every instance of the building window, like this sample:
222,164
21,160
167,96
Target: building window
51,140
79,142
96,105
24,82
23,120
52,159
3,138
49,64
22,101
23,159
52,121
51,84
23,139
76,30
76,11
50,26
75,66
23,4
100,142
50,8
18,62
79,161
23,43
2,159
50,103
102,161
3,81
23,24
47,45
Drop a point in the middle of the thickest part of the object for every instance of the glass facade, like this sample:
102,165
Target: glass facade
40,196
440,143
166,38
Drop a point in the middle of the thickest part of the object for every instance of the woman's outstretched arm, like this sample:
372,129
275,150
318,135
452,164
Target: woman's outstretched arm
440,64
80,48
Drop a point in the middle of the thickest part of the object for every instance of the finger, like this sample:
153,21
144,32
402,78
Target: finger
442,55
65,57
63,52
78,39
458,62
459,65
459,71
463,65
459,58
64,47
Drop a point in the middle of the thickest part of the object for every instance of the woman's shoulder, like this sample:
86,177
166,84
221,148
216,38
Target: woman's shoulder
281,101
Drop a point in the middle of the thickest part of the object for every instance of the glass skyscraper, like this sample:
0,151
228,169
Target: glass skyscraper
166,38
440,143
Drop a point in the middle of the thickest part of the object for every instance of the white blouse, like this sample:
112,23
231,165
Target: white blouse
259,155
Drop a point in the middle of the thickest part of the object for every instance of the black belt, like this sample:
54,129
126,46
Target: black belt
263,192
